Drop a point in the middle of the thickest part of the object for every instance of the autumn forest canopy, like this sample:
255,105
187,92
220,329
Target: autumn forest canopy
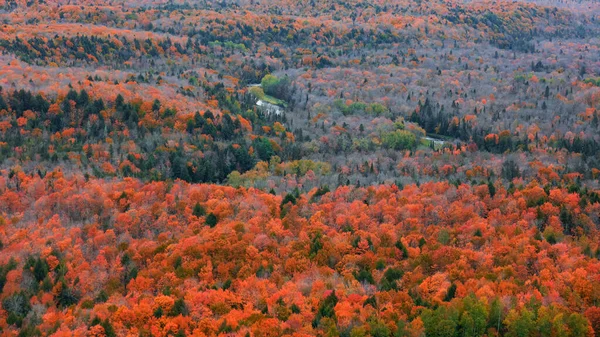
273,168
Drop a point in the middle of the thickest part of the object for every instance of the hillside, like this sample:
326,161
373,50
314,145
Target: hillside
300,168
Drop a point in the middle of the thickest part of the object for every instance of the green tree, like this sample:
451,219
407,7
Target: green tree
179,308
198,210
491,189
274,86
289,198
388,281
519,324
402,248
450,293
441,322
263,148
211,220
258,92
326,309
379,329
399,140
496,315
473,319
578,324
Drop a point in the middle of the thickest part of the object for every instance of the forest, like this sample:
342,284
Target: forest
405,168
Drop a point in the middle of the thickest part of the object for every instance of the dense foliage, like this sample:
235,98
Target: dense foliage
331,168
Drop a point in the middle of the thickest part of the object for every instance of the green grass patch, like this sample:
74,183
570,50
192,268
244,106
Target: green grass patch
275,101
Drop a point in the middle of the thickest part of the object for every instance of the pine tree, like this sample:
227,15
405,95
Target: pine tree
211,220
198,210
